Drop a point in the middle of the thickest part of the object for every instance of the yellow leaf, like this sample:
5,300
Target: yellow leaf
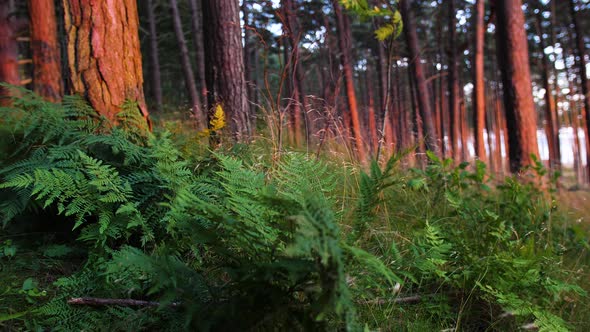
217,121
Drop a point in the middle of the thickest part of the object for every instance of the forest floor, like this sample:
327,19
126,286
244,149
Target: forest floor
577,203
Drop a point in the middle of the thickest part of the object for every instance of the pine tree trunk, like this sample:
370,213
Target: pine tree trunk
187,70
47,80
574,120
104,64
402,136
8,50
582,65
490,155
499,132
395,113
551,121
423,94
453,84
288,93
226,83
417,123
382,68
465,154
479,103
519,106
445,118
372,121
446,149
291,27
500,120
197,30
434,88
344,36
156,79
248,55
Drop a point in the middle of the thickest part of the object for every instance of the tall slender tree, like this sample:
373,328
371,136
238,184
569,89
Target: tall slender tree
197,30
344,43
226,82
453,83
479,101
371,120
245,8
104,65
297,98
8,48
47,80
423,94
513,57
551,121
187,70
156,79
582,72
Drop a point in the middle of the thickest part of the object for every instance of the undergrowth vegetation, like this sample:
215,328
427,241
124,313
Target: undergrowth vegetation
234,240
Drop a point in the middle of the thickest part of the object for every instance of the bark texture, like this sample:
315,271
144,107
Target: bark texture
154,56
187,70
344,36
372,121
47,80
297,99
423,94
197,29
226,83
103,54
453,85
513,57
551,121
479,104
8,50
582,65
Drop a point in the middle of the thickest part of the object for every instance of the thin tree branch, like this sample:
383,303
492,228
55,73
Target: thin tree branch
95,301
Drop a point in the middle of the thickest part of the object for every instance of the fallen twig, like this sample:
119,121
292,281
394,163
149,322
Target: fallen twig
397,300
121,302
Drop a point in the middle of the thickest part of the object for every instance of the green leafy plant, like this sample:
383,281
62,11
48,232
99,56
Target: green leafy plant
227,240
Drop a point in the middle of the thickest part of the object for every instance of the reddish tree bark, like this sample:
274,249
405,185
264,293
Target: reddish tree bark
402,134
372,121
551,121
47,80
582,65
226,83
156,80
519,106
465,154
434,88
575,122
8,49
249,64
394,102
104,64
423,94
197,30
344,35
489,125
446,149
453,85
499,132
418,125
479,104
297,99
